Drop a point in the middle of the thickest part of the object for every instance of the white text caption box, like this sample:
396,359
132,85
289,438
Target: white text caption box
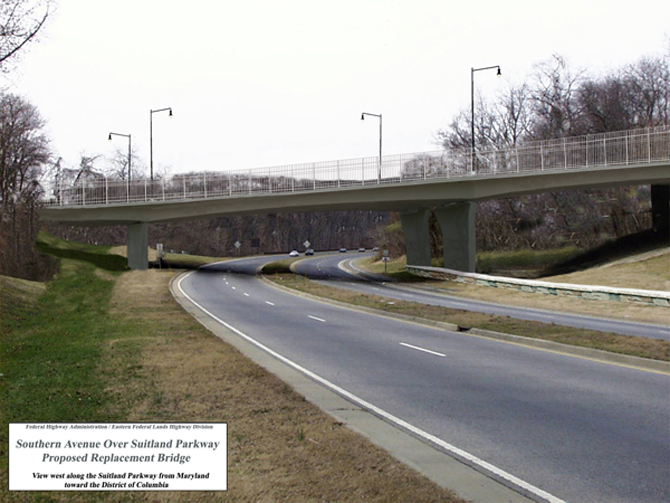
118,457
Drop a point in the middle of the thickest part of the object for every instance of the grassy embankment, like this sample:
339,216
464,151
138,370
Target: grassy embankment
100,343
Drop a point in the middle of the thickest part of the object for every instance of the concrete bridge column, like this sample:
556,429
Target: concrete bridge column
660,210
138,246
457,222
417,237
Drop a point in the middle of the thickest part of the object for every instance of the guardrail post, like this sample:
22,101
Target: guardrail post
163,187
230,184
605,150
106,192
516,155
627,159
541,159
204,183
565,154
145,190
648,145
83,193
339,180
249,182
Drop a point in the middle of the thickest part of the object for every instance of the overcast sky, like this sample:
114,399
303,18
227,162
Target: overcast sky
256,83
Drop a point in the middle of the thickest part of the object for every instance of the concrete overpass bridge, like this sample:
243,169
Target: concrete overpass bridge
448,182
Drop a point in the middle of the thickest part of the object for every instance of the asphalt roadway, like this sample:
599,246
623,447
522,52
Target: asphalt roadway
558,428
328,268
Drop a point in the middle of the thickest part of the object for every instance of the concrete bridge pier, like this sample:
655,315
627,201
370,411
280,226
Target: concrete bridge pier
417,237
457,222
138,246
660,210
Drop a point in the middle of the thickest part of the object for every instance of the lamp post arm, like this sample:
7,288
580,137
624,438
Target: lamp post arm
151,138
129,148
472,101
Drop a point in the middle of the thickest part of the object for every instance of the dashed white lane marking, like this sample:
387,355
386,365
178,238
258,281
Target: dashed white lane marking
269,303
424,350
246,294
234,288
316,319
381,412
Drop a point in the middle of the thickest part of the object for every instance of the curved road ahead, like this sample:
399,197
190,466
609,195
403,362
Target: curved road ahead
327,268
577,429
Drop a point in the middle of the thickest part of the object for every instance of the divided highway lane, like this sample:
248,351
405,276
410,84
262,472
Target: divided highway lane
327,268
578,429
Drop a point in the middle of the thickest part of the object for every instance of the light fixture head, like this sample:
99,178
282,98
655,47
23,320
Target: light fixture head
362,116
171,109
110,137
499,72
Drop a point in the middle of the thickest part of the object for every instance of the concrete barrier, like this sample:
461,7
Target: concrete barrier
590,292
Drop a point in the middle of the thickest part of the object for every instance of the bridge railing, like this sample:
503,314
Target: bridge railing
622,148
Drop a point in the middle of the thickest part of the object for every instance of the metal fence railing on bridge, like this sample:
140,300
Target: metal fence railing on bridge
622,148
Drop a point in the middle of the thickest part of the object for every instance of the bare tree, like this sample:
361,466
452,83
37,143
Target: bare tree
23,152
119,165
556,107
23,148
514,116
20,22
606,105
648,83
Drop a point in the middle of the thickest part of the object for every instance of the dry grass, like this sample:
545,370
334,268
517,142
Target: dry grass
280,447
649,271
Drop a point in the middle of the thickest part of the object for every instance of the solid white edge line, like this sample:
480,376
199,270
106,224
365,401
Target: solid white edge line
422,349
380,412
315,318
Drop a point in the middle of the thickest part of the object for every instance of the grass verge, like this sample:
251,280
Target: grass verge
635,346
101,345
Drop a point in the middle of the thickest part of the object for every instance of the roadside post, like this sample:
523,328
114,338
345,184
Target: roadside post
160,253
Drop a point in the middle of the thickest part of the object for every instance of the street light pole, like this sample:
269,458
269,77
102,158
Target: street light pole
129,149
472,105
379,174
151,138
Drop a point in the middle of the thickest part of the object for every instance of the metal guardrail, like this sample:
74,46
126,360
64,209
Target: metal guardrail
621,148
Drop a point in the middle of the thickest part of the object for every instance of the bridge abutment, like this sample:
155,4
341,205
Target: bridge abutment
660,210
457,223
417,236
138,246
